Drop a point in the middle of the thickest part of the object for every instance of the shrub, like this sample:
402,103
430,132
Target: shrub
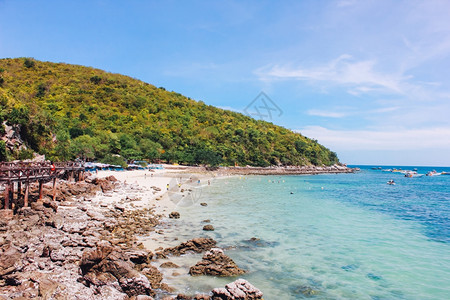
29,63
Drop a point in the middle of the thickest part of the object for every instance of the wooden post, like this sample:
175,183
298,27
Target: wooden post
27,190
40,190
19,189
11,194
6,196
54,189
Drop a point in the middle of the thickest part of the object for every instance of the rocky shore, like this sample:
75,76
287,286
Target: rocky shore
84,246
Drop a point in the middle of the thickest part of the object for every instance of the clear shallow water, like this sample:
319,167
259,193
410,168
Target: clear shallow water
347,236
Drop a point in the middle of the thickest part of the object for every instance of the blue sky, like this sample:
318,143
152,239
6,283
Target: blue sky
368,79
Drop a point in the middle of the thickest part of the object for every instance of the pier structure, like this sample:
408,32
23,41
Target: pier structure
16,177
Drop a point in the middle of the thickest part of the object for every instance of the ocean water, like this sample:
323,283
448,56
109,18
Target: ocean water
344,236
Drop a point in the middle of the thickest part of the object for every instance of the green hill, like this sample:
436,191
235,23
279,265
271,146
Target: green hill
67,111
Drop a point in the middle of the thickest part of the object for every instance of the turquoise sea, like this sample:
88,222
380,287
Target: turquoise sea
344,236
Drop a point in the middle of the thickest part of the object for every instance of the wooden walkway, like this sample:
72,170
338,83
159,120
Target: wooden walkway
24,173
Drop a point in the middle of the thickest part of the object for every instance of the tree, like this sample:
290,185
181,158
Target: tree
29,63
3,154
83,147
62,148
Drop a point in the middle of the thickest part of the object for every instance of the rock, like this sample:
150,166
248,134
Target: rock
196,245
144,297
92,257
119,207
169,264
206,221
66,254
221,293
109,292
99,279
114,264
239,289
153,275
50,289
10,261
111,178
208,228
174,215
51,204
6,214
202,297
138,285
139,256
305,291
216,263
204,204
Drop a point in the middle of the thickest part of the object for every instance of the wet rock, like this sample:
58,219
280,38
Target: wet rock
174,215
239,289
305,291
169,264
216,263
257,242
206,221
204,204
196,245
153,275
208,228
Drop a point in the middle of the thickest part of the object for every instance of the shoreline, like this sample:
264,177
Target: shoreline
120,211
248,170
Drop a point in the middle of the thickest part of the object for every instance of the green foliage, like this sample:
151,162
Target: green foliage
114,160
95,79
25,154
94,114
3,153
29,63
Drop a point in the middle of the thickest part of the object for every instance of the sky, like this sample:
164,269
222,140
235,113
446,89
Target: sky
368,79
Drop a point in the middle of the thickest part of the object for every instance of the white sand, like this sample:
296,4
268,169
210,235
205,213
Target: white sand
148,189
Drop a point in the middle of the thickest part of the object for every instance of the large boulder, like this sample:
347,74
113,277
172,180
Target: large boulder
137,285
197,245
216,263
109,266
239,289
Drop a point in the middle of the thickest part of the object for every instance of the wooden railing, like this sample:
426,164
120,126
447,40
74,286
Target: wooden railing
28,172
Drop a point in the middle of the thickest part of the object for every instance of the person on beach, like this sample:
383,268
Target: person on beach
167,186
209,183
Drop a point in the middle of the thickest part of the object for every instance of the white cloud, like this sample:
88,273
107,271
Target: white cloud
328,114
361,76
399,139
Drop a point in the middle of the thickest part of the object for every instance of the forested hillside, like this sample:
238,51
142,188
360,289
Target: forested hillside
68,111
